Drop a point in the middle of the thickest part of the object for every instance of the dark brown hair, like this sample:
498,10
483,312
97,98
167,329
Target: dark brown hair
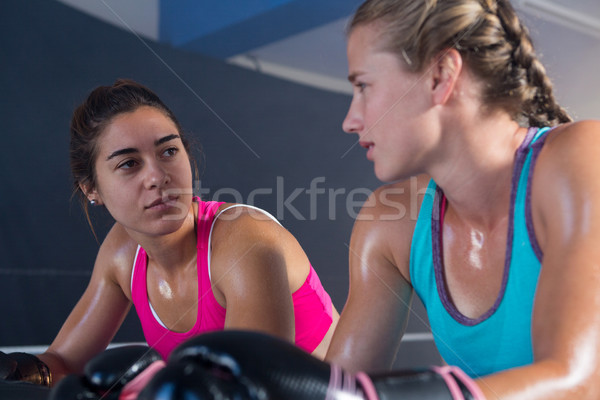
494,43
91,118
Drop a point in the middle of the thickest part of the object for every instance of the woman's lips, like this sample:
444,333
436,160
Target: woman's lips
369,146
163,203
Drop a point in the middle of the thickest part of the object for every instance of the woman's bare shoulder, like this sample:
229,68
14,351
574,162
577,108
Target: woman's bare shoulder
116,257
394,208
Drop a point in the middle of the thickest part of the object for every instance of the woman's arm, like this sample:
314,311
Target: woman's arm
249,272
98,314
566,320
374,318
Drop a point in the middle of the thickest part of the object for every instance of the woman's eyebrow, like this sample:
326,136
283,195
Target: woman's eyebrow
129,150
166,139
122,151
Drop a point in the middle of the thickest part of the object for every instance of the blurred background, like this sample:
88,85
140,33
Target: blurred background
260,85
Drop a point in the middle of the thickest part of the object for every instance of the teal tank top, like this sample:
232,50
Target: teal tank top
501,337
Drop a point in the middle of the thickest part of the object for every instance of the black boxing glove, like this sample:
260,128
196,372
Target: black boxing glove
114,368
109,374
19,390
268,367
76,387
435,383
271,368
24,367
188,380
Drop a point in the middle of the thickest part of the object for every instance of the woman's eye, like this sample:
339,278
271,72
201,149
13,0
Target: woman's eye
170,152
126,164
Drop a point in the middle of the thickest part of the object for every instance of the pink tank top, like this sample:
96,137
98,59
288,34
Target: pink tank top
312,304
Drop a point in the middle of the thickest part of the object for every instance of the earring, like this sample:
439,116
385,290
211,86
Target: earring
93,202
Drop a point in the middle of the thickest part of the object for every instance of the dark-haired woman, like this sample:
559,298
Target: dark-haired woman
188,266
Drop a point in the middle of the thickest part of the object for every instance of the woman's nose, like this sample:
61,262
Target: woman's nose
156,176
353,121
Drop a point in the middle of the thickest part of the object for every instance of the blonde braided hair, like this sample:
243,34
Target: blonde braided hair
494,43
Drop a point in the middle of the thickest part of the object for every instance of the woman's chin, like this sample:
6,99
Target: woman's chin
385,176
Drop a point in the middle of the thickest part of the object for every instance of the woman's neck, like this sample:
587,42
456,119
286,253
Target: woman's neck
477,172
175,250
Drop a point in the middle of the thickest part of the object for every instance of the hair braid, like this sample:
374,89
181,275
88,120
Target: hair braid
539,105
489,36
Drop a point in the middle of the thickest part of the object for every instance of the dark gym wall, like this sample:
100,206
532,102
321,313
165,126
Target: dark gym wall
259,135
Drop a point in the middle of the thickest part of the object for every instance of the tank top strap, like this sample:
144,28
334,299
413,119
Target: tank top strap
138,275
206,216
212,224
539,132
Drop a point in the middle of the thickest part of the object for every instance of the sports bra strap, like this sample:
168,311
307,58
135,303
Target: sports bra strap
215,220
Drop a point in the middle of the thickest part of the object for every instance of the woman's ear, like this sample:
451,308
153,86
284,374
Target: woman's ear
92,194
446,69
